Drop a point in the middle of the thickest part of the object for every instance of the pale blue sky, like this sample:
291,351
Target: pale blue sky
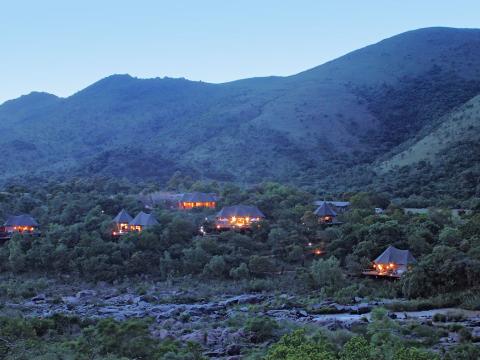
61,46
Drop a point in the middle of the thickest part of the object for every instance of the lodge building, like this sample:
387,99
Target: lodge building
238,217
326,215
197,200
392,263
22,224
142,221
124,223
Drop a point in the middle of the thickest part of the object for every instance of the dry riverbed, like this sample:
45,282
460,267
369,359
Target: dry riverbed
216,320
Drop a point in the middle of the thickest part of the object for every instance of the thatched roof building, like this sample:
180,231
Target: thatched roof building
123,217
197,200
238,217
142,221
23,220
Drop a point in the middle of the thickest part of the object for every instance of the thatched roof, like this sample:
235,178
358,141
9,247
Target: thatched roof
198,197
123,217
144,220
325,210
240,211
396,256
337,204
21,220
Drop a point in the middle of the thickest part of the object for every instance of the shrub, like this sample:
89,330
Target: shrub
263,328
355,349
240,272
260,265
298,346
216,267
327,275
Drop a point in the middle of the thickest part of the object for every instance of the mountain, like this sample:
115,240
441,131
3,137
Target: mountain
354,113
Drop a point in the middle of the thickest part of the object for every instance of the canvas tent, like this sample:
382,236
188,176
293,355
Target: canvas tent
392,262
197,200
122,221
142,221
238,216
326,214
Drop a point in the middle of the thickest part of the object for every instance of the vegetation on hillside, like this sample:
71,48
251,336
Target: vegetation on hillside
309,129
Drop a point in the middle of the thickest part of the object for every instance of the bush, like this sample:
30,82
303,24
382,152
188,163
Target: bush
263,328
355,349
298,346
327,275
260,265
216,267
240,272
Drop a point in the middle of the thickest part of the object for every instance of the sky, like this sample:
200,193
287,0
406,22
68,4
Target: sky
63,46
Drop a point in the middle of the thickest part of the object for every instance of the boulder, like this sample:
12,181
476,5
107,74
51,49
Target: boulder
86,294
233,349
302,313
70,300
197,336
39,298
243,299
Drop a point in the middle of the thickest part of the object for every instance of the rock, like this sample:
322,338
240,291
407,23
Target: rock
476,332
71,300
39,298
218,353
243,299
360,309
233,349
86,294
302,313
161,334
195,336
169,311
282,314
392,315
148,298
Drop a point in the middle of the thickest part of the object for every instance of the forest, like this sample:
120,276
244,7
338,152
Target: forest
277,257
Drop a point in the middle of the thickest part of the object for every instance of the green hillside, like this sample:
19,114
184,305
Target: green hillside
308,128
461,125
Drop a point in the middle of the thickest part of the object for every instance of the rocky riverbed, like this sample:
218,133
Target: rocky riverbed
217,323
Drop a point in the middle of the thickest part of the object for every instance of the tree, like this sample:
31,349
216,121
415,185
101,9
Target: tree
260,265
240,272
263,328
450,236
383,333
216,267
355,349
17,258
297,346
404,353
327,274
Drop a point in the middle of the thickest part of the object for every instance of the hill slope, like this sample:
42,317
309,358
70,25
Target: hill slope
307,128
460,125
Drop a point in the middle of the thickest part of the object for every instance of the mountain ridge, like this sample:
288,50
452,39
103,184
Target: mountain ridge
308,127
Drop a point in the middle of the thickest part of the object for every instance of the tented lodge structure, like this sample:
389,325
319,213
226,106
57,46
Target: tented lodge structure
326,215
23,224
339,207
142,221
392,262
121,223
197,200
238,217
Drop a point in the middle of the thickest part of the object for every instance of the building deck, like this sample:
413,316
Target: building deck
381,275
